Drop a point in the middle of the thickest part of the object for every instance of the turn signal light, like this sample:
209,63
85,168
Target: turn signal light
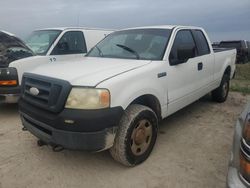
244,167
246,129
105,98
8,83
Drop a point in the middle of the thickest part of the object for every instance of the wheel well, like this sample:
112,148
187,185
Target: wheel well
150,101
228,71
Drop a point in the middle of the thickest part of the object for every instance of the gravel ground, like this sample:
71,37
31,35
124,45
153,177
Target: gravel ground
192,150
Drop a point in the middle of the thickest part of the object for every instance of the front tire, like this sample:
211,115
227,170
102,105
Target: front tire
136,135
220,94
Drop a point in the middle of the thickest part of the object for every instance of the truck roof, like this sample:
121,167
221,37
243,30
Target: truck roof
70,28
230,41
164,27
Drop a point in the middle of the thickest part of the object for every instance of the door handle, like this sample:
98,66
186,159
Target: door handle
200,66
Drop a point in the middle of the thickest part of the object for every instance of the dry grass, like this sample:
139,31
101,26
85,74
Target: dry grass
241,82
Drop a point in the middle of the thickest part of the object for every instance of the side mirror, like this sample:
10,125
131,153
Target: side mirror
183,54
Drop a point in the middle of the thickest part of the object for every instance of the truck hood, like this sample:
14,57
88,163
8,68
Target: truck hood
7,55
90,71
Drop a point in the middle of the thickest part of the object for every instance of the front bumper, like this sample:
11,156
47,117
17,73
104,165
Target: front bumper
9,94
234,180
91,130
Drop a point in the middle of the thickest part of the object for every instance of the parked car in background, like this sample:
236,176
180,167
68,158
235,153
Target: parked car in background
239,165
115,97
49,45
215,44
64,43
248,47
241,47
12,48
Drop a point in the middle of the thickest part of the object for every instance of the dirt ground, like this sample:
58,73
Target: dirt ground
192,150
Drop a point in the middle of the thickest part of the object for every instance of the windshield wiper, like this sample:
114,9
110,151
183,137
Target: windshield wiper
99,50
129,50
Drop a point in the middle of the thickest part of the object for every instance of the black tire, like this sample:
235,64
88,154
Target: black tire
220,94
124,146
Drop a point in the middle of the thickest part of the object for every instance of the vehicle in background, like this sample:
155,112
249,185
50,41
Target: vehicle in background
215,44
49,45
239,165
248,47
12,48
240,46
115,96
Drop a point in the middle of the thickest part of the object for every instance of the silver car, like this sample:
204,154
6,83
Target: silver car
239,165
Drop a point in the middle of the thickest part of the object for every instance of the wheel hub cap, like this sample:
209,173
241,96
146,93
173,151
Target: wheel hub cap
225,88
141,137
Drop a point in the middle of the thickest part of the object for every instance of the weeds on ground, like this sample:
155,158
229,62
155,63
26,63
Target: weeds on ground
241,82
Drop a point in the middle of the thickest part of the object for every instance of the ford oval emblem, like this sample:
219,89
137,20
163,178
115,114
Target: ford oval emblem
34,91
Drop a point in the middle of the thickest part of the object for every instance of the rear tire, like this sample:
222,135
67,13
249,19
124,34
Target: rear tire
136,135
220,94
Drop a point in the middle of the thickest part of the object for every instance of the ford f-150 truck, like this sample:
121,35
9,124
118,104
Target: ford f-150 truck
49,45
115,97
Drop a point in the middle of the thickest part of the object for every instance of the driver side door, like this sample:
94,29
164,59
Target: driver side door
182,76
71,45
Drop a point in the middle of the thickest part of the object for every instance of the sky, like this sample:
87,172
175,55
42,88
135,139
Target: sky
222,19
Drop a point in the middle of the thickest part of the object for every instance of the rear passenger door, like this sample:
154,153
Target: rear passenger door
71,45
205,60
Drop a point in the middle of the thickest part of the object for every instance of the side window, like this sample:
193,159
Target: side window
183,48
72,42
201,42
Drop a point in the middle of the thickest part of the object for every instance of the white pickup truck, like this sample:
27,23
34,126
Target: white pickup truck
115,97
49,46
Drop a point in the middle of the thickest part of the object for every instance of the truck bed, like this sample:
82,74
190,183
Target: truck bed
221,49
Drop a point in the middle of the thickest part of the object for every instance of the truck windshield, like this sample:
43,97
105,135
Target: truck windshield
40,41
145,44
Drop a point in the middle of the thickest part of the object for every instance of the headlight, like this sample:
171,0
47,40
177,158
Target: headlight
246,128
88,98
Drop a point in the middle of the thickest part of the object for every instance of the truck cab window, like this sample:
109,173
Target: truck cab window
72,42
183,42
201,41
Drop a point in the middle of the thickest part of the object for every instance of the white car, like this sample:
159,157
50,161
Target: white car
49,45
115,97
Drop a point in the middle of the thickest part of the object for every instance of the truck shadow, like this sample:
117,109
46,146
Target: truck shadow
192,109
103,160
8,109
